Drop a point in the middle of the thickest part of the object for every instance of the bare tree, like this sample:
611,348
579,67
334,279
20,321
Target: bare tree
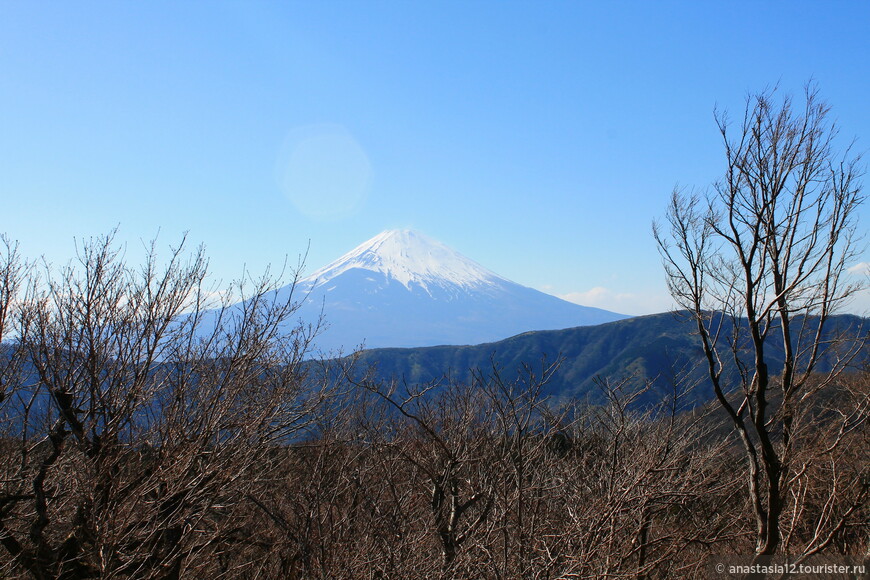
439,431
524,429
141,419
760,263
641,493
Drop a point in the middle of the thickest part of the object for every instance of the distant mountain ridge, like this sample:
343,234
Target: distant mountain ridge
656,347
404,289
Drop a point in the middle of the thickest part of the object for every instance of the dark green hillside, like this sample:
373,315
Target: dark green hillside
656,347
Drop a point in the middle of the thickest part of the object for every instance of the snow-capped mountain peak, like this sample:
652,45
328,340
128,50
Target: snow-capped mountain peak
403,289
410,258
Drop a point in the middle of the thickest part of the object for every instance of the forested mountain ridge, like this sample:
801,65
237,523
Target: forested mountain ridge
657,347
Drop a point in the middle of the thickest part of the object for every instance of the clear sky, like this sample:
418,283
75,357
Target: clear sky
538,138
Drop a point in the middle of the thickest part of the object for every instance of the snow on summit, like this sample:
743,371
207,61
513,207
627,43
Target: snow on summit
404,289
409,257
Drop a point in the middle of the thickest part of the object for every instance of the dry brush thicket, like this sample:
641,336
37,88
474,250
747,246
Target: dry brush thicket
146,437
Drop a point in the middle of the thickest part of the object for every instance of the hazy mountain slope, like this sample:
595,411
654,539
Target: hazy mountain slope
403,289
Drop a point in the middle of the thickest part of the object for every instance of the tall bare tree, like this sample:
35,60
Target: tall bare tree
759,261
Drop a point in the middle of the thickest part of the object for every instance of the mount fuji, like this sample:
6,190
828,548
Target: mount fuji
404,289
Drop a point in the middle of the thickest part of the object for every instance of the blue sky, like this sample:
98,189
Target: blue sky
538,138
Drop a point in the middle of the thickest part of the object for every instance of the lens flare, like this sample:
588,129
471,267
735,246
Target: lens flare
324,172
